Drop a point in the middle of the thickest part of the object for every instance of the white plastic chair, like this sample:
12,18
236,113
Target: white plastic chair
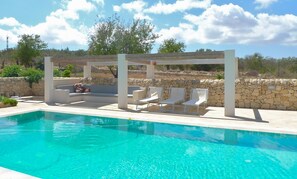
176,95
198,97
154,94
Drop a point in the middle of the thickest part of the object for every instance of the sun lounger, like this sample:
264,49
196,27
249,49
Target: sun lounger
154,95
198,97
176,96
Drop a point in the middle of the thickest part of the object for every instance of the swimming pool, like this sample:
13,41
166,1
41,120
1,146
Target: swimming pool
56,145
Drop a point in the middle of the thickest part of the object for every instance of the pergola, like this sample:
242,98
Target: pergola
226,57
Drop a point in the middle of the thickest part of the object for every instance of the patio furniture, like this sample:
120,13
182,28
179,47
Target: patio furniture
154,94
98,93
198,97
176,96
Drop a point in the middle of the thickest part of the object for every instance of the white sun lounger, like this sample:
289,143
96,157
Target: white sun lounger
198,97
154,95
176,95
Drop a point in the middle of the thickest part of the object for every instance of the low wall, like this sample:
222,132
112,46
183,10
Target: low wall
18,86
66,81
250,93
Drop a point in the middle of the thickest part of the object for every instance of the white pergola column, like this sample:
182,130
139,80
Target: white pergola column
230,71
48,80
236,68
122,82
87,71
150,71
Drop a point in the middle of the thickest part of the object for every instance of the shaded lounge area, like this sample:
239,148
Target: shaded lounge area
150,61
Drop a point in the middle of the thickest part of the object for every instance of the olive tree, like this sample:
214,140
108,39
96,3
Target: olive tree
172,46
113,36
29,47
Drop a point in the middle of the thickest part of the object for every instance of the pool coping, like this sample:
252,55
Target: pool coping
167,118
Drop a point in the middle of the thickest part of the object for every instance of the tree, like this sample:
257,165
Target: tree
113,36
7,57
204,50
29,47
80,52
207,67
172,46
255,62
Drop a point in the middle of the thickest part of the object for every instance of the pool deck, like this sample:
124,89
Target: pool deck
276,121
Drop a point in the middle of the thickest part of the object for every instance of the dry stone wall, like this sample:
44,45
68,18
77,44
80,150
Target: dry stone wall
267,94
250,93
18,86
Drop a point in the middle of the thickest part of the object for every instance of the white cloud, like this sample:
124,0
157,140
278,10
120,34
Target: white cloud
181,32
58,31
264,3
71,9
58,28
54,31
116,8
277,29
178,6
9,21
142,16
140,7
80,5
136,7
13,39
232,24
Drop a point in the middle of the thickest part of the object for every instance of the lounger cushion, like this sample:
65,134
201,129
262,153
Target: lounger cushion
107,89
155,94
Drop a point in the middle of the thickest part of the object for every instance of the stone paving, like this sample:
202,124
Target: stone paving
277,121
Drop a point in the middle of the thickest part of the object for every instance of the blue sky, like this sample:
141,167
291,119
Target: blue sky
248,26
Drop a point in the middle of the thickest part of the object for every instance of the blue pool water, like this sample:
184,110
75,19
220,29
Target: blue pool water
55,145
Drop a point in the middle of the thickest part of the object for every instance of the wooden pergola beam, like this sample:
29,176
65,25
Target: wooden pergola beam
83,60
143,59
176,56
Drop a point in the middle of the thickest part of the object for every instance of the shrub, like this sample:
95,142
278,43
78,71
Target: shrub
5,101
32,75
57,73
69,67
13,102
11,71
220,76
66,73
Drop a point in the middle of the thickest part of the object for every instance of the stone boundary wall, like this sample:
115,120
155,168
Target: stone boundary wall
18,86
250,93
